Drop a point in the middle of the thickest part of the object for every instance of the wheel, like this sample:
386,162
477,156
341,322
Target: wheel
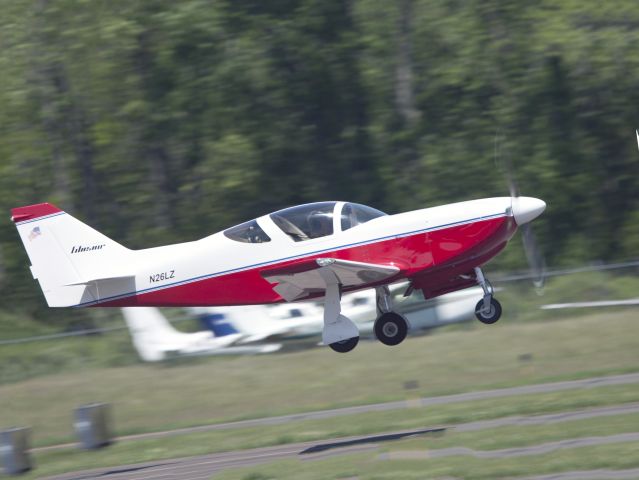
391,328
492,315
345,345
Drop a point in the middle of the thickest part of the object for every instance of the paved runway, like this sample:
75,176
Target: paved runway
205,466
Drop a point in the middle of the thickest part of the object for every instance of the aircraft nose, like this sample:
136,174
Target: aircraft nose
526,209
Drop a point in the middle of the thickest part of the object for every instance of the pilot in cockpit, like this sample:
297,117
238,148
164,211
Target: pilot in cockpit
321,224
253,234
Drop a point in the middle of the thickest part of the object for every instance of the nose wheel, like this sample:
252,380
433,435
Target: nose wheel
488,315
488,309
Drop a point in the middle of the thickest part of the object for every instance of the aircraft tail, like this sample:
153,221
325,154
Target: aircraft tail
151,332
74,263
155,338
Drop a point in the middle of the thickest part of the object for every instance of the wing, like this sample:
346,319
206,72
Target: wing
603,303
302,279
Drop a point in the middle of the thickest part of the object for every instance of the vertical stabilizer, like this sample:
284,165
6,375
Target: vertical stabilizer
155,338
67,255
151,333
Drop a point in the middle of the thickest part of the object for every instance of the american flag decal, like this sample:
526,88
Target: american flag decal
34,233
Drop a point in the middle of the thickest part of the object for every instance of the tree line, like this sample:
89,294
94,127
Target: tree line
160,121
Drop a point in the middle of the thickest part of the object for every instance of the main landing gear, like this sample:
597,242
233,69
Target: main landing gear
390,327
487,310
344,346
340,333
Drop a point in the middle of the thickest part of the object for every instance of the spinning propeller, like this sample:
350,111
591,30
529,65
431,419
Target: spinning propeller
524,210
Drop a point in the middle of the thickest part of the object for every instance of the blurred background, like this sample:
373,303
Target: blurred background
159,121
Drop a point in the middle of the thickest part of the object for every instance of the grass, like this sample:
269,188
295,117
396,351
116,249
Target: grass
372,423
150,398
521,301
195,444
210,390
518,436
74,354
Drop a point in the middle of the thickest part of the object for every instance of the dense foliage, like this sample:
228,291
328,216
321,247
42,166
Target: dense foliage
161,121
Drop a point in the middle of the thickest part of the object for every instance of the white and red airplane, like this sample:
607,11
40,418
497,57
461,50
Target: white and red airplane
311,251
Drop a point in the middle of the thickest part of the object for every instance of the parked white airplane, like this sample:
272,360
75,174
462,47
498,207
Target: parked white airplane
304,321
259,323
155,339
421,314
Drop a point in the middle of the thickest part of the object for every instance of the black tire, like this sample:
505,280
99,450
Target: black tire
345,345
391,328
490,317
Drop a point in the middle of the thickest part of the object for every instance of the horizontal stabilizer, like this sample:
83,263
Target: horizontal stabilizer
104,278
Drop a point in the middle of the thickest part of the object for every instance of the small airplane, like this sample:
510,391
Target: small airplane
155,339
300,323
312,251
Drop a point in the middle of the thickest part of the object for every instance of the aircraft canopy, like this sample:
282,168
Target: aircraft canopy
315,220
305,222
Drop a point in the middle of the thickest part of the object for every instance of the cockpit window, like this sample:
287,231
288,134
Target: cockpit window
247,232
354,214
305,222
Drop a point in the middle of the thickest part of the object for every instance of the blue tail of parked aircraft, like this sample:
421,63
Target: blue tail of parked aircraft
218,323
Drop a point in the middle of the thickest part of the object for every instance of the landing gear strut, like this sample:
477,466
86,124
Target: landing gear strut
390,327
487,310
340,333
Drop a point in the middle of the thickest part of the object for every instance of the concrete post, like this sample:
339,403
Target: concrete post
93,425
14,450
